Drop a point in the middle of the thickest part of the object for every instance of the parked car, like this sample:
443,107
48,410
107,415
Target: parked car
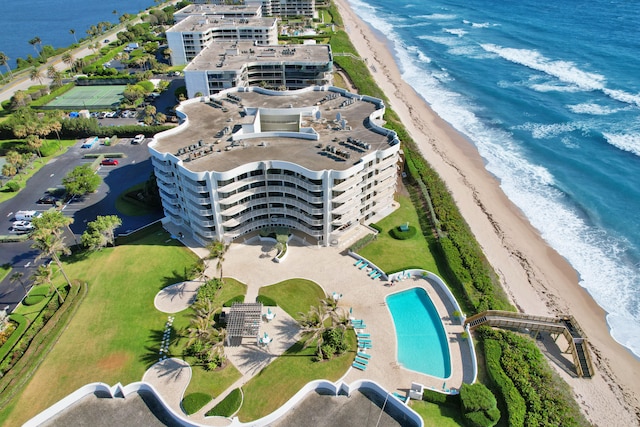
22,226
109,162
110,115
138,139
27,215
47,199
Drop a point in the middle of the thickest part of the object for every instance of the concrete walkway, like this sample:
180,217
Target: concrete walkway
251,262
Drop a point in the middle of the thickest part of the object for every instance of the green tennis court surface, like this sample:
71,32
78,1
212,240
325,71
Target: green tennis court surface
89,98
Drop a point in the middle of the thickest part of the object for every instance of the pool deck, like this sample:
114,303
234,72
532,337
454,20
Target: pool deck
334,271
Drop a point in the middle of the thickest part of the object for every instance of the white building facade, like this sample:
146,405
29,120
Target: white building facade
251,158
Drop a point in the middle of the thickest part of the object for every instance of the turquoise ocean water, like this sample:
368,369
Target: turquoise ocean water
549,93
51,20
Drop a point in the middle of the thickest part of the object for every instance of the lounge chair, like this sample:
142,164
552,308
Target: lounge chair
364,335
362,361
359,366
362,326
372,272
364,346
363,355
364,341
357,264
363,265
375,276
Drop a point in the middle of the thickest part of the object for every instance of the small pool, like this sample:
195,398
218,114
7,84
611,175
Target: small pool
422,341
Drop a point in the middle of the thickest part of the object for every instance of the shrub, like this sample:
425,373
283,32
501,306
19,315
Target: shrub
209,290
479,405
32,299
452,400
399,234
265,300
13,186
193,402
362,242
376,227
228,406
229,303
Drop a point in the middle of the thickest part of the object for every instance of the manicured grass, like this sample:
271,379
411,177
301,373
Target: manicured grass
228,406
393,255
115,335
5,269
193,402
294,295
286,375
437,415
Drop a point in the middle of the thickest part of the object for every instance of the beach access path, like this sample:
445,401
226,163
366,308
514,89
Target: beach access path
536,277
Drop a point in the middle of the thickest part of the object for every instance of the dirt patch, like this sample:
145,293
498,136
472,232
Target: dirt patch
114,361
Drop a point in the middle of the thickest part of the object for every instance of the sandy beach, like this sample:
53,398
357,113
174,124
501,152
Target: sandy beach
536,277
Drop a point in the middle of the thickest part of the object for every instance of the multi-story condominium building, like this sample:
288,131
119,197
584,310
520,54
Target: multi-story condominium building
245,10
190,36
315,160
276,7
226,65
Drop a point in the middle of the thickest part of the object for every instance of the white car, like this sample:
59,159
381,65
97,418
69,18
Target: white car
138,139
22,226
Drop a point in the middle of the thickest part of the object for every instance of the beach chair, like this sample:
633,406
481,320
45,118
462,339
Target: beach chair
364,346
362,361
372,273
362,326
364,265
363,335
363,355
357,264
363,341
359,366
375,276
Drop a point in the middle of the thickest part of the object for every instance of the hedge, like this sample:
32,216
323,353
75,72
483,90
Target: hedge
398,234
193,402
513,400
23,323
238,298
32,299
266,301
362,242
479,405
228,406
452,400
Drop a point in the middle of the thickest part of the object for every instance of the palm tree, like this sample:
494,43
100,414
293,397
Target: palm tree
68,59
44,276
4,61
35,42
217,250
36,74
48,238
73,33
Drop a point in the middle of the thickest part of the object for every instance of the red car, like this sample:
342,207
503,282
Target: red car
109,162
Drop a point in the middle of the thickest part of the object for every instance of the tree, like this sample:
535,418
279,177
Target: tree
48,239
81,180
100,233
36,42
73,33
325,327
479,406
34,143
36,74
132,92
68,60
55,76
217,250
4,61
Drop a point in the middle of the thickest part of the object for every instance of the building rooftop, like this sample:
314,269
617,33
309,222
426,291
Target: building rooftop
340,122
234,55
200,24
219,9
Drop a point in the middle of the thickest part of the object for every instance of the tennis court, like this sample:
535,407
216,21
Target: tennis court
89,98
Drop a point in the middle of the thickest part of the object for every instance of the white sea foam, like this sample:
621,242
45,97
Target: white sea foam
543,131
626,142
443,40
554,87
455,31
592,109
623,96
437,17
593,253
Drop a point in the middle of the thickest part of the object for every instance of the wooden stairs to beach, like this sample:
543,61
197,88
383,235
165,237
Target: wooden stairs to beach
564,324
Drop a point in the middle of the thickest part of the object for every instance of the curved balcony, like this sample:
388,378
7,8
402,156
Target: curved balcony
301,194
195,188
232,186
294,180
159,166
239,196
167,188
197,199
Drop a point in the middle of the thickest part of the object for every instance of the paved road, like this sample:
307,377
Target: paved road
133,169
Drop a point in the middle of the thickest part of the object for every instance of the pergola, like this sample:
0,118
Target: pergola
243,321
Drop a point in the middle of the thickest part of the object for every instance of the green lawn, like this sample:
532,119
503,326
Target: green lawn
129,208
294,295
286,375
115,335
437,415
393,255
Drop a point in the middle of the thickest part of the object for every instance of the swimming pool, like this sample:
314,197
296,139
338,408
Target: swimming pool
422,342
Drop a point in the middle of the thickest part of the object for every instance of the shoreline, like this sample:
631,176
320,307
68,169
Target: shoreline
536,278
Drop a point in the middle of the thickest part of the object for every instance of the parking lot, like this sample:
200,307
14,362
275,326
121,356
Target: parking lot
134,168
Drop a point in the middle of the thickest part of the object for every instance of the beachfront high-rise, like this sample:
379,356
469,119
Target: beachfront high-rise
275,7
315,160
242,64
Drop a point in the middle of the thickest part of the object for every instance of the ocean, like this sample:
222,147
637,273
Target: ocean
51,20
549,93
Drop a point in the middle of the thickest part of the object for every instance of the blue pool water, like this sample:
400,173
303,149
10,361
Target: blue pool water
422,342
